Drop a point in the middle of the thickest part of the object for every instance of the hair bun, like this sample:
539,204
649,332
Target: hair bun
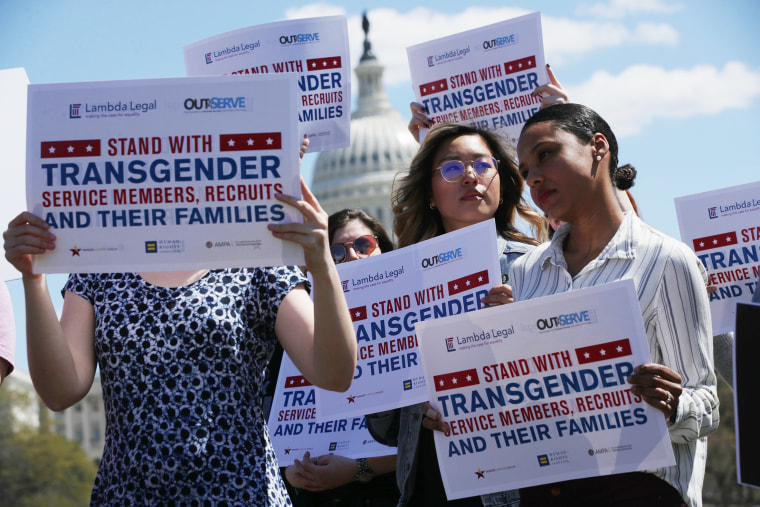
624,176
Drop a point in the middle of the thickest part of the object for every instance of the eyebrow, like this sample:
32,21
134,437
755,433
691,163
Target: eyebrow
475,156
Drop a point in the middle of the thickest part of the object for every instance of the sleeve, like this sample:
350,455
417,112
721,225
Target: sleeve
81,285
273,284
384,426
684,336
7,328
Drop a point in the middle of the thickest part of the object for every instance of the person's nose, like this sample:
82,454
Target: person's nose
351,254
470,176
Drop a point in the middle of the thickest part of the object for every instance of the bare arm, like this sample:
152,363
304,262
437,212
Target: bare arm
323,348
330,471
61,354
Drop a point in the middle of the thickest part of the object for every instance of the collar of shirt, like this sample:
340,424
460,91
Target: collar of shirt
621,246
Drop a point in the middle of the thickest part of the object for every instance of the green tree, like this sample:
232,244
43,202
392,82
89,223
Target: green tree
38,467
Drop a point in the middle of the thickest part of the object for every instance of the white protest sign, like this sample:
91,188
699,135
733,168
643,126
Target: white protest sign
164,174
13,83
535,392
313,49
483,77
723,228
296,424
389,293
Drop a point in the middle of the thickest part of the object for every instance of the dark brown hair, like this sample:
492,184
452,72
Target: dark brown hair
415,221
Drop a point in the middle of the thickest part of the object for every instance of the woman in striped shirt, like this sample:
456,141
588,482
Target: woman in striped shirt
568,158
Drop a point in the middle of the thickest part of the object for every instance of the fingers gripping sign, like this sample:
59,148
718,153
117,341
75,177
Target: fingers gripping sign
659,386
312,233
27,235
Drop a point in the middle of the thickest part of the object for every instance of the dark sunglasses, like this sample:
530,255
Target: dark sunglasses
363,245
485,167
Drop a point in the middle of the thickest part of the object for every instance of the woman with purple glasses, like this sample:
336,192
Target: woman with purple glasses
461,176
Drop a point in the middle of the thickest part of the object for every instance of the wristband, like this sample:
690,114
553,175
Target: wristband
363,471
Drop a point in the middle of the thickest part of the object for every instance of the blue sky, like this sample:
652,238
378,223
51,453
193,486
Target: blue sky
679,81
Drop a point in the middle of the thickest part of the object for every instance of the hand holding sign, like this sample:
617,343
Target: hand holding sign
552,92
659,386
27,235
312,234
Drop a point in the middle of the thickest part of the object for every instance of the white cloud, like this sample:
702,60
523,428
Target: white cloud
314,11
565,39
617,9
641,94
391,32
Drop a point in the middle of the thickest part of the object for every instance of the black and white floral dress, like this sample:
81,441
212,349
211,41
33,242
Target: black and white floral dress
181,371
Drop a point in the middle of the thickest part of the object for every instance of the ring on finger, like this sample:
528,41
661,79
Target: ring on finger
669,399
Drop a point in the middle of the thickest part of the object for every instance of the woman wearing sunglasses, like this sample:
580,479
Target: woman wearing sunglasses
354,234
461,176
333,480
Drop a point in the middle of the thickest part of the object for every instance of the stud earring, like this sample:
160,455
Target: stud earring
598,158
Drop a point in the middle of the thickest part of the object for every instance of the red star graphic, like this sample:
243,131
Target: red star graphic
75,251
351,398
287,451
480,474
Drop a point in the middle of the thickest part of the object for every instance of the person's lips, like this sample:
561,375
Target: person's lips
472,195
542,195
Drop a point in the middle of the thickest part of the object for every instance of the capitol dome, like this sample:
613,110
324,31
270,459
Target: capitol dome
361,176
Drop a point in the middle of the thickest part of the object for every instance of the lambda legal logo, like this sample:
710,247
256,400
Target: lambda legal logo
450,344
74,110
209,59
431,63
713,212
344,283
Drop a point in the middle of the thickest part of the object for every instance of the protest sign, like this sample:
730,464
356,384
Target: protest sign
387,294
314,49
535,392
723,228
483,77
165,174
13,83
297,424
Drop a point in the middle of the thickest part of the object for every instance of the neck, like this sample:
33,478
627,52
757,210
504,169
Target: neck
589,235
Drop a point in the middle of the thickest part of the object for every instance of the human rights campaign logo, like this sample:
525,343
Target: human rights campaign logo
74,110
151,246
408,385
543,460
450,344
333,446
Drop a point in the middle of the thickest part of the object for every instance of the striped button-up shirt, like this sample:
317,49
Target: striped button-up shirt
674,307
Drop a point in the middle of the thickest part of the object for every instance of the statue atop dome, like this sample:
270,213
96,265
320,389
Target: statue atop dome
367,55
